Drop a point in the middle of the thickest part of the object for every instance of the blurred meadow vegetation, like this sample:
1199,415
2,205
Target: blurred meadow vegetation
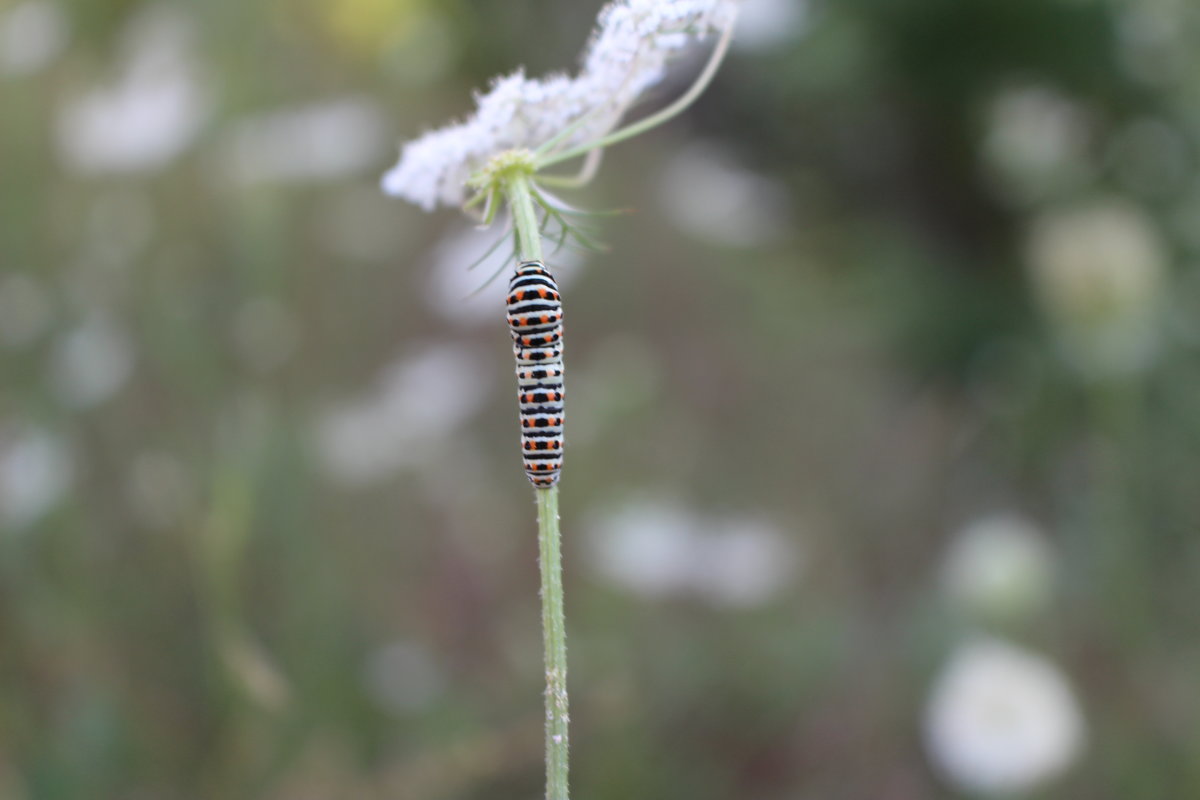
263,527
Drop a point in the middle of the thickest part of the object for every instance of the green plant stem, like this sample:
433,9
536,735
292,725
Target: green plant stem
525,222
554,634
582,178
643,125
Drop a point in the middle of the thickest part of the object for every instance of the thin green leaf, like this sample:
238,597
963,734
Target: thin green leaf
512,258
499,241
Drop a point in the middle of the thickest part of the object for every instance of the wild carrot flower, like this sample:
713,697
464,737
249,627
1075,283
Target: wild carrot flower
627,54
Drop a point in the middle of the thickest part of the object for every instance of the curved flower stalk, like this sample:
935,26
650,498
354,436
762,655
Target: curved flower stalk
499,157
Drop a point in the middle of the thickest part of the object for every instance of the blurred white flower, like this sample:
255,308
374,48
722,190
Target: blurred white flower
460,295
767,24
417,403
25,310
1098,270
1001,720
661,550
744,563
320,141
36,472
1036,142
151,114
627,54
32,35
403,677
999,568
92,362
705,192
646,548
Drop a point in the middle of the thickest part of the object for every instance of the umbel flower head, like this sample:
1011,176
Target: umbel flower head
627,54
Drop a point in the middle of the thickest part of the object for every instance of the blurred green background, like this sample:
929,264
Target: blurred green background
882,474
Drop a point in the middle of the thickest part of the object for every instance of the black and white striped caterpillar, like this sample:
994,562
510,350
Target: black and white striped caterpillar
535,319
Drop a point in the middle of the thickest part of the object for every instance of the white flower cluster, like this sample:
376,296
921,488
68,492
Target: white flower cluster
36,472
1099,269
1001,720
659,549
627,54
365,439
32,35
154,110
999,569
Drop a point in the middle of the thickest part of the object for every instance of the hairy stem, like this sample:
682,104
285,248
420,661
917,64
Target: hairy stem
643,125
554,634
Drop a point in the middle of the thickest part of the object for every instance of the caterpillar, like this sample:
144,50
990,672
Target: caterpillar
535,320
